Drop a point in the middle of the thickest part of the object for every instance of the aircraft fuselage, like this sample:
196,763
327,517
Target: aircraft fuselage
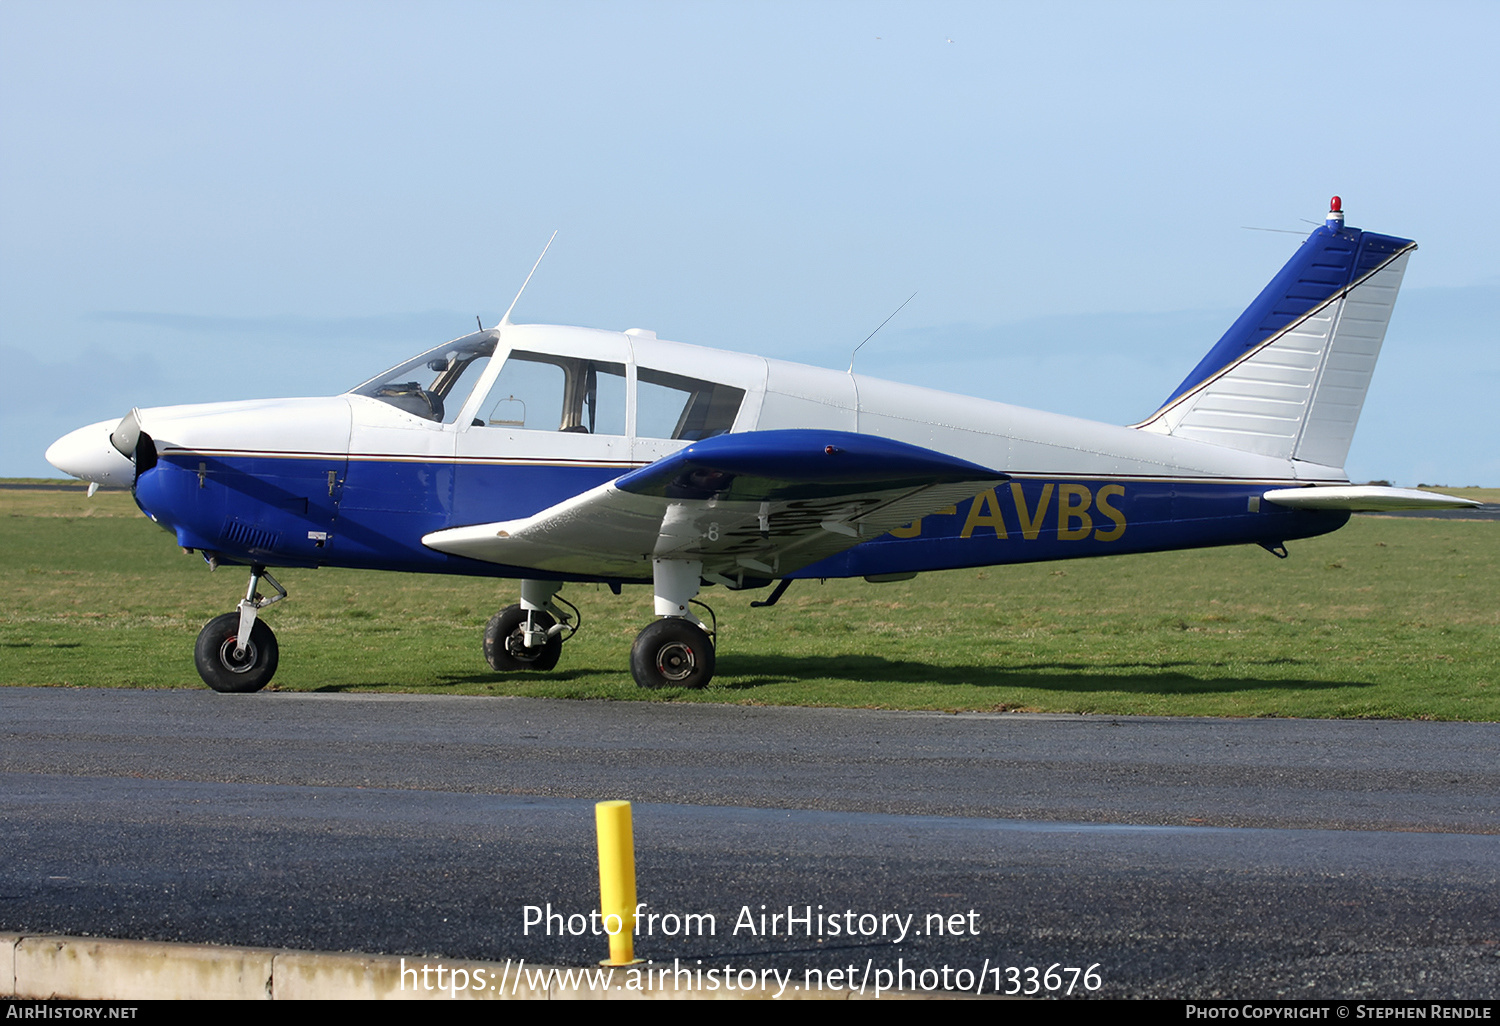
350,481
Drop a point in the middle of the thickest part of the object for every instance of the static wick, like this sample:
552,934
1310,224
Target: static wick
877,329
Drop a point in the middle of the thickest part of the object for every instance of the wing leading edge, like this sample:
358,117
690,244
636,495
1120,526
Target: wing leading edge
749,506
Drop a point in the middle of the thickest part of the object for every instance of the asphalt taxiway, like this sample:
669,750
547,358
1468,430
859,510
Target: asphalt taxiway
1181,857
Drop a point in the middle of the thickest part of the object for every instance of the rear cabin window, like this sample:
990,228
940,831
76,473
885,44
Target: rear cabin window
673,406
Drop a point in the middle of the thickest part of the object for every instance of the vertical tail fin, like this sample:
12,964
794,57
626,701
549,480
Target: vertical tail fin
1289,377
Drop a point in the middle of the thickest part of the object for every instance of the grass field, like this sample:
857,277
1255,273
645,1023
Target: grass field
1385,618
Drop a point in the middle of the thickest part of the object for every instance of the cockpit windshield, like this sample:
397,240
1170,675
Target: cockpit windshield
435,384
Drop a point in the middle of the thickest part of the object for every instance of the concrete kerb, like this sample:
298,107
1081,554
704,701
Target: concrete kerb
91,968
8,962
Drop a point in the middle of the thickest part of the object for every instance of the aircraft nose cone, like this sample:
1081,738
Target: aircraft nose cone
89,455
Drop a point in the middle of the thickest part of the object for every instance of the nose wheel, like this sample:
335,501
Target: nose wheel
236,652
226,665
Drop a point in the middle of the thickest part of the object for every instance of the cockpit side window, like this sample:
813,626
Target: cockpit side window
537,392
673,406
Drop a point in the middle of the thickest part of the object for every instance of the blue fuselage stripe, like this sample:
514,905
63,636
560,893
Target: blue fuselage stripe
329,511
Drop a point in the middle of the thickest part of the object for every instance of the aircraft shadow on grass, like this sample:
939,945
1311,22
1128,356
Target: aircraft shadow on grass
1145,678
749,672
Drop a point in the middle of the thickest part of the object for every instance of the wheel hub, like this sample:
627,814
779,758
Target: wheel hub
676,661
240,664
517,647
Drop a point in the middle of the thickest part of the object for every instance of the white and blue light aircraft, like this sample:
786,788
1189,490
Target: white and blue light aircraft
557,454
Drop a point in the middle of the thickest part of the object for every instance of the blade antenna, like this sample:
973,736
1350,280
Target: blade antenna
506,319
878,327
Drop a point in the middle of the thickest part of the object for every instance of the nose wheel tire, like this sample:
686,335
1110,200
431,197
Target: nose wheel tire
221,669
672,653
505,647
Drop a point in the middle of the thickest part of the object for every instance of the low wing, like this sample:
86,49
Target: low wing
1364,498
748,506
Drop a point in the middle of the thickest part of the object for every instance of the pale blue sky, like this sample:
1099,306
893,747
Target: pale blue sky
207,201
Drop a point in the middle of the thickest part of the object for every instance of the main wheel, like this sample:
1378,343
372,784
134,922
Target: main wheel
672,653
505,642
217,663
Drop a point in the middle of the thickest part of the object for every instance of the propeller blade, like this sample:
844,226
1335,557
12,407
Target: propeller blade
128,435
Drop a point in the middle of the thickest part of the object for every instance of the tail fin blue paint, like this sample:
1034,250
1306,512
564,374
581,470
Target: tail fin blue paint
1289,377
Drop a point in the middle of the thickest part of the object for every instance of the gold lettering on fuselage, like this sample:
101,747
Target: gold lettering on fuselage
1074,521
984,511
1073,504
914,529
1101,502
1030,525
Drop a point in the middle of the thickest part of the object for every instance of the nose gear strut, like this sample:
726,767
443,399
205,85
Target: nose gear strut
237,652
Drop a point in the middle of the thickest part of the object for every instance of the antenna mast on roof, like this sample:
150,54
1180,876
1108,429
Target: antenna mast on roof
506,319
878,327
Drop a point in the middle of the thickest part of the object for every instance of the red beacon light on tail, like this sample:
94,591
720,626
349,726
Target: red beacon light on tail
1335,213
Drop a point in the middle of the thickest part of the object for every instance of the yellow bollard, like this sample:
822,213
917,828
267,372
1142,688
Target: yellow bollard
617,880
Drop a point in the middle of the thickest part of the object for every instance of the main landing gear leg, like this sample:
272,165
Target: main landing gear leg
530,635
237,652
675,651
